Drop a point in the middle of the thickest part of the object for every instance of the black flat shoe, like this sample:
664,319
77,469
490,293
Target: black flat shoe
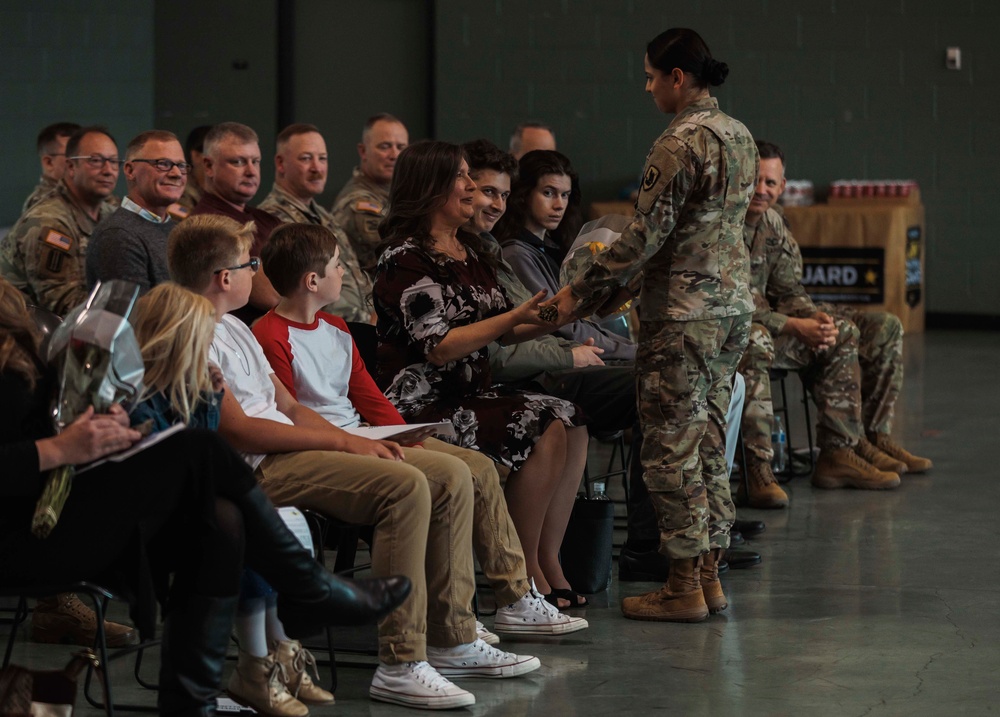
736,537
749,528
739,559
573,598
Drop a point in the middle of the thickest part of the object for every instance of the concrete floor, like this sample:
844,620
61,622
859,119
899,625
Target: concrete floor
865,604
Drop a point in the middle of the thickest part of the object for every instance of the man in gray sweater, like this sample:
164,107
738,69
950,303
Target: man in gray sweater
131,244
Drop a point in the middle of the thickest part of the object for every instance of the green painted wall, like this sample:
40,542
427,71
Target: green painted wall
849,89
85,62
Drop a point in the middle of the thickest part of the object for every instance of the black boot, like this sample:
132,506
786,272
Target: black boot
195,637
310,598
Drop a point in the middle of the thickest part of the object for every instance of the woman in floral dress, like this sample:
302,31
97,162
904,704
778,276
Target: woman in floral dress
439,306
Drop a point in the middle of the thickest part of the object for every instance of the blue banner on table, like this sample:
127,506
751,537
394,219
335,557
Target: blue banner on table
849,275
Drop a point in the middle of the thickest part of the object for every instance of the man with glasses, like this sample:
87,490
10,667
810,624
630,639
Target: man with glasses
43,255
131,244
52,155
232,177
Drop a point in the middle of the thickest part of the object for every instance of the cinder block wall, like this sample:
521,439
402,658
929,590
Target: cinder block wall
83,62
849,88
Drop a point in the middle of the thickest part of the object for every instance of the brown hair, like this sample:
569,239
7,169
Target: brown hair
295,250
293,130
174,328
201,244
18,339
73,143
48,136
228,129
136,144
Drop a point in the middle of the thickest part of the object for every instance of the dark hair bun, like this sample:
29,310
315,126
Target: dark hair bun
715,71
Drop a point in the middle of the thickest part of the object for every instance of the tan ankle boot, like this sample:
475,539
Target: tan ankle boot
843,468
65,619
870,452
914,464
762,490
297,662
259,682
710,585
680,600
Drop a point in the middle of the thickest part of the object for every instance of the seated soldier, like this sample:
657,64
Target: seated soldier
420,502
791,332
52,155
194,146
44,253
300,167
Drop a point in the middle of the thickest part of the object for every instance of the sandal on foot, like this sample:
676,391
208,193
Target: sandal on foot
573,598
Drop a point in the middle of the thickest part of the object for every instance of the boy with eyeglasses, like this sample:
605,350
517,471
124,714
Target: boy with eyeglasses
131,244
43,255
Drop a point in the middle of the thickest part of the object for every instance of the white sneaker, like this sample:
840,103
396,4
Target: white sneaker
417,684
490,638
532,615
477,659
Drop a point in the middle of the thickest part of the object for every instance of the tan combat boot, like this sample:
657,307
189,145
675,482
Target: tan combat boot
680,600
65,619
867,450
259,682
297,662
710,585
914,464
843,468
762,490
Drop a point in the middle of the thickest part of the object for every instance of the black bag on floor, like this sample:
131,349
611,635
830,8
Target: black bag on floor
586,548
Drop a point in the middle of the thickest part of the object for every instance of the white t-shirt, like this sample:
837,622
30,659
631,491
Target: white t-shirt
237,353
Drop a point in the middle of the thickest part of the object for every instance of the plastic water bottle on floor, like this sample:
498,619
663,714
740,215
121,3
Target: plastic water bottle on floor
779,443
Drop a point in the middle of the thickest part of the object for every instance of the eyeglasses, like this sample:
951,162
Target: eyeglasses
254,265
165,165
98,161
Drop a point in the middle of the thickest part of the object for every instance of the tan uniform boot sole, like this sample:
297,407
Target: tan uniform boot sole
683,608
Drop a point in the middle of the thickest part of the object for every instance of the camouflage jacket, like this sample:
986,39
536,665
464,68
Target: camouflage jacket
686,233
192,194
359,209
44,187
44,254
355,303
775,273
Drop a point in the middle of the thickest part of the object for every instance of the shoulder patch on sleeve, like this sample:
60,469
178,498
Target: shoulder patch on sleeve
178,212
368,207
56,239
661,167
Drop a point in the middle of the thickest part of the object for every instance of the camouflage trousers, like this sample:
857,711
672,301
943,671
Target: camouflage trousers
833,378
685,377
880,355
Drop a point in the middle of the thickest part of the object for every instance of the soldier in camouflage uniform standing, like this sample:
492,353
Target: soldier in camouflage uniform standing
853,370
44,254
361,204
695,315
300,176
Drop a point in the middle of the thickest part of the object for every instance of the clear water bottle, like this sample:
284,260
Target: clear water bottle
598,490
779,442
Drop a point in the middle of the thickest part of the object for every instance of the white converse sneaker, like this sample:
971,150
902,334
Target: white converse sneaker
532,615
482,633
477,659
417,684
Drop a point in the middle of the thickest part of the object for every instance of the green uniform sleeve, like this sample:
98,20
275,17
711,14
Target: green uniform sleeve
786,296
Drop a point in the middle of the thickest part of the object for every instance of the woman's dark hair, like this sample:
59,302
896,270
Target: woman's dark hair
421,183
684,48
532,167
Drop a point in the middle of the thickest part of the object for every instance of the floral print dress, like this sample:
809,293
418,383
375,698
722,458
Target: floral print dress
419,297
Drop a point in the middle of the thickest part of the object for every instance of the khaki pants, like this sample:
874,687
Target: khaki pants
422,512
494,537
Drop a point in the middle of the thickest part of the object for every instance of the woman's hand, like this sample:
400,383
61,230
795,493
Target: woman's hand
565,302
89,437
527,313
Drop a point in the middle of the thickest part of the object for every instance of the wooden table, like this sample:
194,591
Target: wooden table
868,254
